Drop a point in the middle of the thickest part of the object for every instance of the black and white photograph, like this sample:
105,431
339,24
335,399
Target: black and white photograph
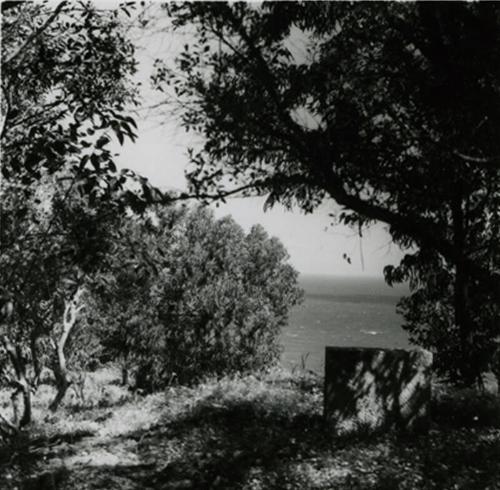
249,245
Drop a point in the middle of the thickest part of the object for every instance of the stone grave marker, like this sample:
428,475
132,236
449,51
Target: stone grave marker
368,389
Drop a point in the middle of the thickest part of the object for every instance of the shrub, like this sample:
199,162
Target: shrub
214,303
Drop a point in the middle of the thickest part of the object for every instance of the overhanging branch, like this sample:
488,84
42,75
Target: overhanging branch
38,32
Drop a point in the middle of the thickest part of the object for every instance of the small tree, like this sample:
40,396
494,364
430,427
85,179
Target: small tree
72,308
65,86
224,299
46,274
214,300
125,311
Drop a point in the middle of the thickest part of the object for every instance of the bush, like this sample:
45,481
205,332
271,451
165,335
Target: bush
214,305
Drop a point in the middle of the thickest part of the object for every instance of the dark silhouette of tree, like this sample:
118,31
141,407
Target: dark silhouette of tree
389,109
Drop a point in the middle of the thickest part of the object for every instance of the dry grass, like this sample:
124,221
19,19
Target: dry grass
244,432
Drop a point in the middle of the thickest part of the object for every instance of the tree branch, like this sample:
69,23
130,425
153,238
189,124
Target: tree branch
35,34
37,117
259,186
267,76
424,232
5,117
487,161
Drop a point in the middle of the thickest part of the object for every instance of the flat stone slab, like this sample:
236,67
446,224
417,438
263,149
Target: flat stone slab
369,389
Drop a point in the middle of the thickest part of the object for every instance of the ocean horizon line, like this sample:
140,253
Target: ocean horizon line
339,276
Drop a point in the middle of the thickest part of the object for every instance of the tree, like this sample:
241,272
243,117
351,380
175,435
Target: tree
197,297
430,317
225,299
47,275
125,311
66,84
384,108
67,91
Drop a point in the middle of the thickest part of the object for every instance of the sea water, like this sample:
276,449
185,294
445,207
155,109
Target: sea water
342,311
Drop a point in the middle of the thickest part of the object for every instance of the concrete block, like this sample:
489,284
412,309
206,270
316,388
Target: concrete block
369,389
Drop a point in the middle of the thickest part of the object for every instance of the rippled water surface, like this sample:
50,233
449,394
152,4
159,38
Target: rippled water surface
342,312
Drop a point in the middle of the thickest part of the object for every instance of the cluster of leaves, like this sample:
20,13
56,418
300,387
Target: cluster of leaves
431,318
66,83
52,244
66,88
205,298
359,103
67,91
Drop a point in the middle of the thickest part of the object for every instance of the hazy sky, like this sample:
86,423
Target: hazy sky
315,247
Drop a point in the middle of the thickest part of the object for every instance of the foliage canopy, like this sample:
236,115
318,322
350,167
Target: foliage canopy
203,298
389,109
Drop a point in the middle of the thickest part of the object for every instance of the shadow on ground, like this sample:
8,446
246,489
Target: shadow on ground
226,447
257,443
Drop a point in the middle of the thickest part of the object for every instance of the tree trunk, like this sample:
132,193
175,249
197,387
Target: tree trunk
462,321
124,375
36,361
61,372
22,388
7,428
22,394
468,372
63,382
21,404
62,378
